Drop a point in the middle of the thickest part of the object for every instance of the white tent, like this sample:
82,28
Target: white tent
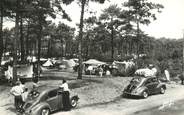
47,63
94,62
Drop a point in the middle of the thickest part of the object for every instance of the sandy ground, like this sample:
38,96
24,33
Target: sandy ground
99,96
134,106
91,90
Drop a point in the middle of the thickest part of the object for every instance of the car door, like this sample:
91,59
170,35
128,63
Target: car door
150,85
60,99
52,99
155,84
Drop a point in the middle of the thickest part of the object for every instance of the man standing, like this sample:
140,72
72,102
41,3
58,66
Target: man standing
167,75
66,96
100,71
16,91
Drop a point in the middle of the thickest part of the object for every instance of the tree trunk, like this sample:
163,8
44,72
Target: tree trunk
183,62
39,37
138,37
22,39
48,48
112,43
1,33
83,2
15,43
27,40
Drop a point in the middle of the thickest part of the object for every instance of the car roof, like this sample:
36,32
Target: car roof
44,92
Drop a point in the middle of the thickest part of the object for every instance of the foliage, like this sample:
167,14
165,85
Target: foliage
117,29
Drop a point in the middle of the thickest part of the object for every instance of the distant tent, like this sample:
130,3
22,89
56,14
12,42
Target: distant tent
47,63
71,62
94,62
66,64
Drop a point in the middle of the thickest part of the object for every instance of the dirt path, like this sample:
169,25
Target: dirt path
133,106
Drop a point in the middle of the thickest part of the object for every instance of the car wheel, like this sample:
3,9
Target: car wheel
162,90
45,111
73,103
145,94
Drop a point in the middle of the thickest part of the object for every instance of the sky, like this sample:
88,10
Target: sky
169,23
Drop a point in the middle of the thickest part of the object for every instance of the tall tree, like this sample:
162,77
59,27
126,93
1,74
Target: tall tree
142,12
1,30
111,15
83,3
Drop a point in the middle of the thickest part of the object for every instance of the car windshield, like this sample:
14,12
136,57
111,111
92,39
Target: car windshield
137,80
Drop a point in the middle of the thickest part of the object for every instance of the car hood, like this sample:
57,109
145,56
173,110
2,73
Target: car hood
29,104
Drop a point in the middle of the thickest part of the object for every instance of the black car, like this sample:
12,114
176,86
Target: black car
144,86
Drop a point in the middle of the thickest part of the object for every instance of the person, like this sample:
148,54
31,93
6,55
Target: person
16,91
66,96
100,71
154,69
108,73
181,76
90,69
9,75
24,97
167,75
22,84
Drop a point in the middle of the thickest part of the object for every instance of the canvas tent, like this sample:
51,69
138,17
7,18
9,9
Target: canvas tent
48,63
94,62
66,65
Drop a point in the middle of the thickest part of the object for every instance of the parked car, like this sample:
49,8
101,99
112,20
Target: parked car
47,101
144,86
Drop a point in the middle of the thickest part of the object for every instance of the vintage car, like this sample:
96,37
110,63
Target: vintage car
144,86
47,101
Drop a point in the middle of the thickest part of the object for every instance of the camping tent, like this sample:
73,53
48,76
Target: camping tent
48,63
94,62
67,65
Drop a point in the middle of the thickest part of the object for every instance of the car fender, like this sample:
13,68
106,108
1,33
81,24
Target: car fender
75,97
142,89
161,85
36,109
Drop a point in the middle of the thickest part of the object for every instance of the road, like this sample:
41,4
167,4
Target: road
131,106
